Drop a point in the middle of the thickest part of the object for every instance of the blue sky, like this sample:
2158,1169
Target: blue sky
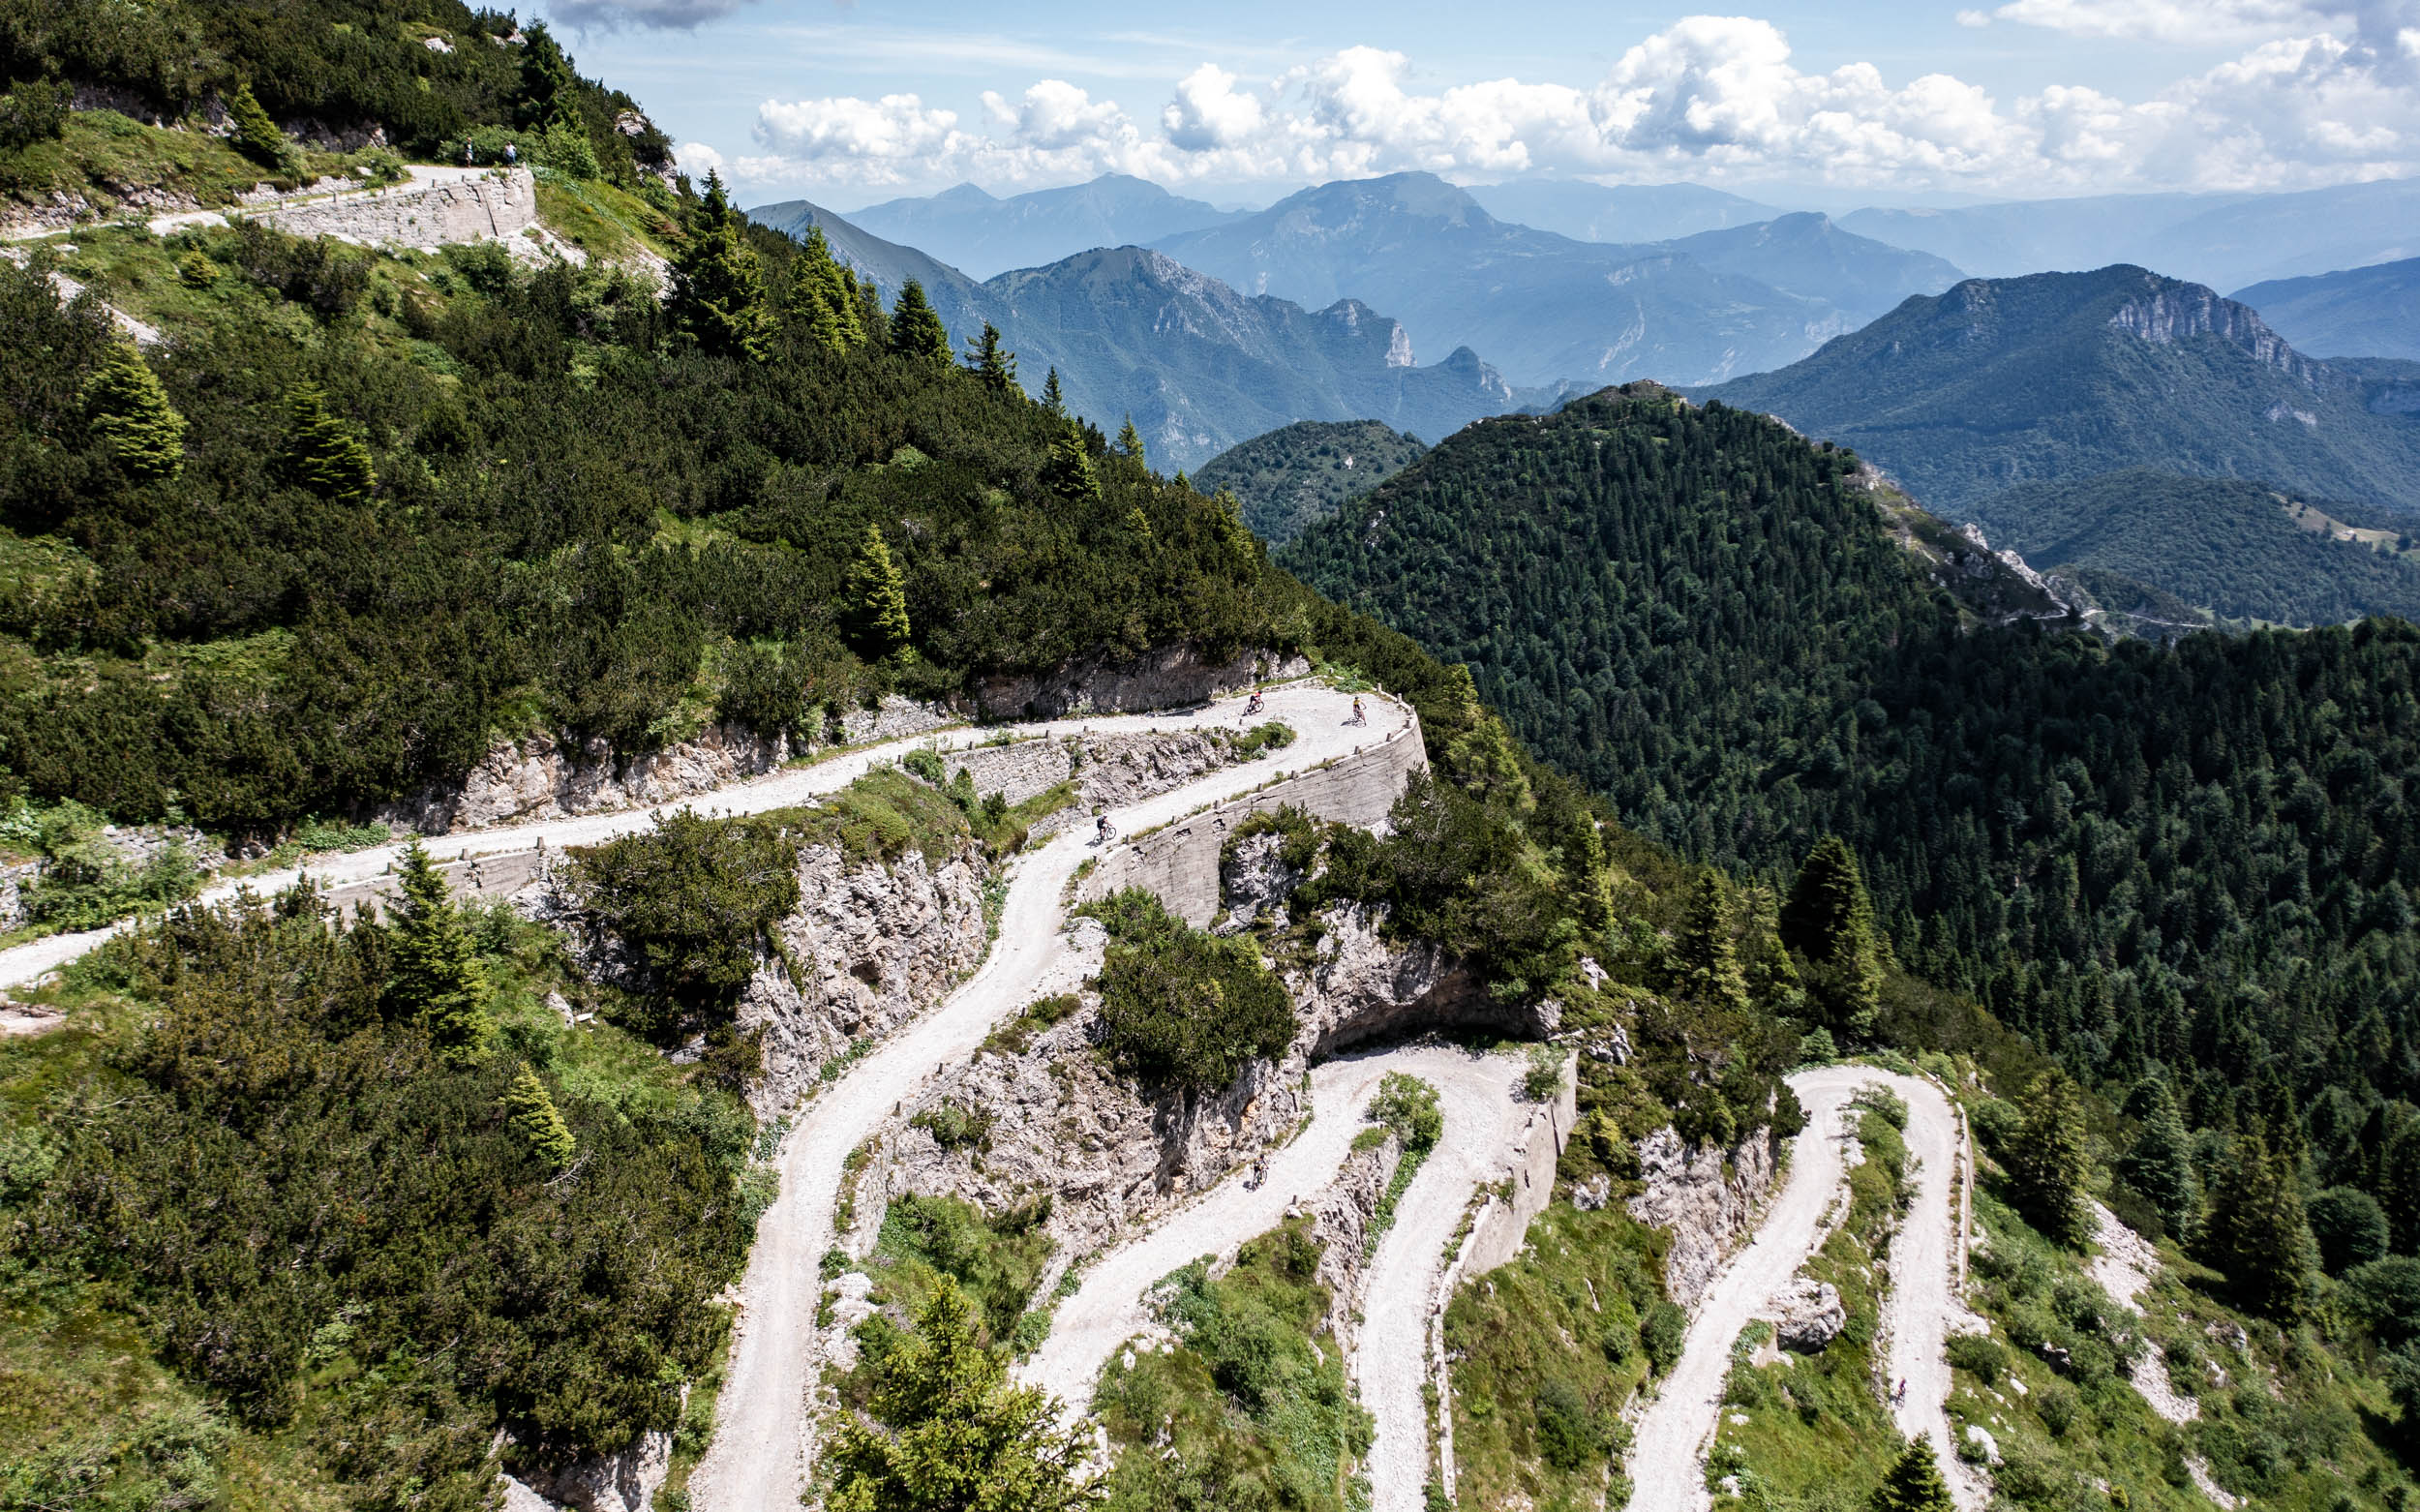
1838,102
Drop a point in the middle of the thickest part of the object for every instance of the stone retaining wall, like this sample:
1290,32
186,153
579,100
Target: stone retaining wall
421,214
1180,864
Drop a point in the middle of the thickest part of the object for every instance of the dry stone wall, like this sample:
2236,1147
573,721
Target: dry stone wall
421,214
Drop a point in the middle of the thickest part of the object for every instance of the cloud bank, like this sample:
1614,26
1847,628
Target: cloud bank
2324,91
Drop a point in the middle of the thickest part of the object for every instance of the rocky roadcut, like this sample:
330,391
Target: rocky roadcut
763,1447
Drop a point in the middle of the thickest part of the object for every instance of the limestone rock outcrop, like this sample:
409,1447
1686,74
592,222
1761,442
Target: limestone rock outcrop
1808,1315
1707,1196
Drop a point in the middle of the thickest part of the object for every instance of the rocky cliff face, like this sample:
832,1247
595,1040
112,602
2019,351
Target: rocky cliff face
1707,1197
1163,678
2171,313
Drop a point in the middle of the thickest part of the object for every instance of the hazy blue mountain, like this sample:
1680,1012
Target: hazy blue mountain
1298,474
1809,255
2223,240
1622,213
1543,307
2371,311
2061,376
1200,366
984,235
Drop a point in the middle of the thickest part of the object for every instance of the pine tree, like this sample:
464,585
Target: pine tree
717,283
915,332
1829,922
2161,1165
534,1117
1069,472
130,415
1130,440
2050,1163
1914,1484
949,1432
1051,399
257,136
992,362
875,614
433,974
1772,978
324,451
1706,965
824,297
2257,1233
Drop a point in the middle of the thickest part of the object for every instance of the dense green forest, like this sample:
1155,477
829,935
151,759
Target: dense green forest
1299,474
2193,862
2226,546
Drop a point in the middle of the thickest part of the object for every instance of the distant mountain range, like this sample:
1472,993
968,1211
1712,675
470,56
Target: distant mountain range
984,235
2371,311
2223,240
2062,377
1298,475
1199,366
1626,213
1544,308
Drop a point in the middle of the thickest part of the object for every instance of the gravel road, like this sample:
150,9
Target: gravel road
1312,710
763,1421
1668,1454
1923,1304
1482,1119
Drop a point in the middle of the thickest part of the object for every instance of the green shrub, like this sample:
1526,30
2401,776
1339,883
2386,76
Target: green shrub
1181,1005
1571,1434
955,1126
1980,1356
696,899
1662,1332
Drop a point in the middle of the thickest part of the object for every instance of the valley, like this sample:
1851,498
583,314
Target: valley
1304,803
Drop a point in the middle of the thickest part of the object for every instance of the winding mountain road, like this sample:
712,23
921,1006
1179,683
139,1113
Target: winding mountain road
1667,1462
760,1455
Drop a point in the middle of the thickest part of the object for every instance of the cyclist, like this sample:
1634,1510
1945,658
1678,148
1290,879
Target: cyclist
1100,828
1359,716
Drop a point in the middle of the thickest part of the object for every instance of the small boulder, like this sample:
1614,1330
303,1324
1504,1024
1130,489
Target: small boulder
1591,1195
1811,1315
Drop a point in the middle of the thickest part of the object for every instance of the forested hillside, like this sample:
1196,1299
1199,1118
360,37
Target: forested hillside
2194,859
2238,550
1297,475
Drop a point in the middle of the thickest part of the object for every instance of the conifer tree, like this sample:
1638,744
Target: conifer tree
536,1120
257,136
2257,1233
324,451
948,1430
130,415
824,296
1772,979
717,283
433,974
1069,472
990,361
1829,922
1130,440
2050,1163
1051,399
1914,1484
1706,964
916,331
2161,1165
875,614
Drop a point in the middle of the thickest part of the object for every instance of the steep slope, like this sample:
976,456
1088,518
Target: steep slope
1299,474
970,229
1619,213
2064,375
1543,307
1199,366
2239,550
2222,240
2371,311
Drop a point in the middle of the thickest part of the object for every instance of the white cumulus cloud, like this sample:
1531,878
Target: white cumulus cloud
2324,91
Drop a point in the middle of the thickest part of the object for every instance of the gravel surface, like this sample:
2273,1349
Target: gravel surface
1400,1293
1667,1463
759,1458
1924,1307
